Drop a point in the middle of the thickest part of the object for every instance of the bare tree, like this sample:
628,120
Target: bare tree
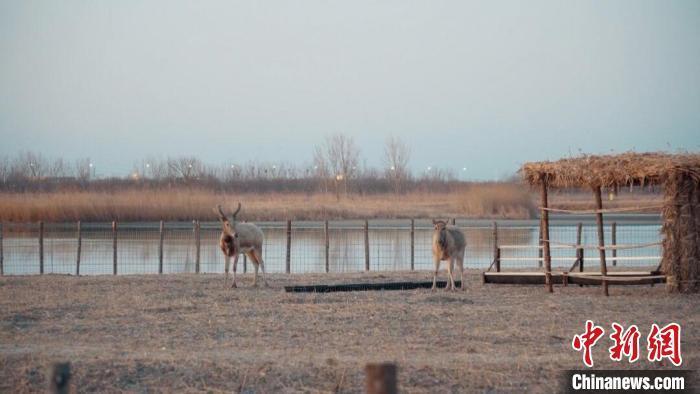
341,155
396,156
58,169
83,169
321,169
185,168
4,169
30,165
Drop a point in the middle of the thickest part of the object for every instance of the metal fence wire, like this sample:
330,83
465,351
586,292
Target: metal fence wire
302,247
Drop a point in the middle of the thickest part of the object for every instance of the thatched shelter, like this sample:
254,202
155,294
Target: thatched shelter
678,174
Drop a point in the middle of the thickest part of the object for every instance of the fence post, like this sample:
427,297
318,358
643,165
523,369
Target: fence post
327,236
2,257
601,237
288,260
496,249
366,245
614,242
41,247
60,379
197,246
579,249
80,246
114,247
454,221
544,218
161,233
380,379
413,248
245,263
540,251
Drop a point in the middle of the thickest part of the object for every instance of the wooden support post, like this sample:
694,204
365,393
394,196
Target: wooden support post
540,251
496,249
114,247
160,247
579,250
601,236
41,247
613,240
2,255
197,241
545,236
454,221
413,245
366,245
80,247
380,379
327,245
60,379
288,260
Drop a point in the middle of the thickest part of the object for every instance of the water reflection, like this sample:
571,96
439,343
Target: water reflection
389,247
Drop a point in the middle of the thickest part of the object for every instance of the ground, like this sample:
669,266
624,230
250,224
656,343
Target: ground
189,333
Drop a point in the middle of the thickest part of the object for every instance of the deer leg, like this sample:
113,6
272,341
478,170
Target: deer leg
450,279
226,265
235,264
261,263
253,260
461,273
436,261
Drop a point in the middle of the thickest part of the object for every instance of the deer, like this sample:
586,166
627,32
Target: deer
237,238
448,245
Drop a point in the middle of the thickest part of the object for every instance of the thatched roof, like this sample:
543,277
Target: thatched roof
612,170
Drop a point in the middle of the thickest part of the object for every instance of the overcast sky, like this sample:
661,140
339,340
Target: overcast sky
485,85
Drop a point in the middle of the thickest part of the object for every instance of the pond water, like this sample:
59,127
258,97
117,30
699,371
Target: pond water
389,246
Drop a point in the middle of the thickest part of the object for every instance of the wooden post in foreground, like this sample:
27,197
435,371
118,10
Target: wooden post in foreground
288,259
60,379
413,245
613,241
601,237
197,241
327,245
380,379
114,247
80,246
545,236
496,249
160,247
366,245
41,247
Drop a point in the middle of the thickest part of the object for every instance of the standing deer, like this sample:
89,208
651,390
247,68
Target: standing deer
237,238
448,244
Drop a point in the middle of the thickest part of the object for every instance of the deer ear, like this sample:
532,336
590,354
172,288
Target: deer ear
434,221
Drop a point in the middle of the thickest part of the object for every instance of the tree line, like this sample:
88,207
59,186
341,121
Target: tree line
335,168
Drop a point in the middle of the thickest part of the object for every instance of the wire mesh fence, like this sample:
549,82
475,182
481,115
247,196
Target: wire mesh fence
302,247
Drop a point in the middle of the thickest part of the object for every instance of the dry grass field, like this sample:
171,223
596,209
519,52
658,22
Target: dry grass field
497,200
183,204
188,333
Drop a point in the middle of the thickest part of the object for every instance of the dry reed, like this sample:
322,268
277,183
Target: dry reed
484,201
